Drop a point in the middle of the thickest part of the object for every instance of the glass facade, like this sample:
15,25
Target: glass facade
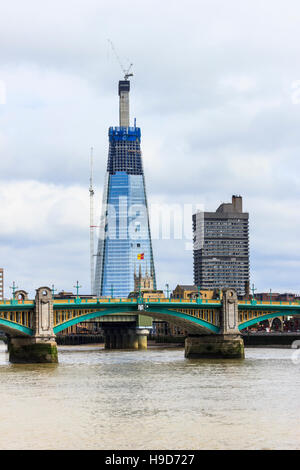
124,239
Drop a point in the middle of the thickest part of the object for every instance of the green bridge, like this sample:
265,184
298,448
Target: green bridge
214,327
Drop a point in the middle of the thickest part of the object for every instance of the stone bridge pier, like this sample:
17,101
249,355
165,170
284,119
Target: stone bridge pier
228,343
41,347
126,338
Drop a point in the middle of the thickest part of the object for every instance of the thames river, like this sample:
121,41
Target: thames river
155,399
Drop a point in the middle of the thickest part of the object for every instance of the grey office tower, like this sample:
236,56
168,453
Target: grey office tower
221,247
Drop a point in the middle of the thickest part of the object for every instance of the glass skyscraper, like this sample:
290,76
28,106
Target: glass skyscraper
124,244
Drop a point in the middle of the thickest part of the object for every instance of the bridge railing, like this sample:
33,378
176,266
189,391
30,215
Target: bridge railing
132,300
16,302
85,301
268,302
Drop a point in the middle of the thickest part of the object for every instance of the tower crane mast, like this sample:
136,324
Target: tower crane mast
92,244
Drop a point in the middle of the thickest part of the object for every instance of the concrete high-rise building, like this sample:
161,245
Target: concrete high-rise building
124,238
221,247
1,284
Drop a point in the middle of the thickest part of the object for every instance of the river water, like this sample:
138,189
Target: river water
155,399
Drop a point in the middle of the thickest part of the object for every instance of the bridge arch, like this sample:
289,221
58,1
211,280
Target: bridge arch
276,322
188,322
14,329
266,316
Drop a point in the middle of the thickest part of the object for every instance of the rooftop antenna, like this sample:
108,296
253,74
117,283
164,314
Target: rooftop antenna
125,71
92,244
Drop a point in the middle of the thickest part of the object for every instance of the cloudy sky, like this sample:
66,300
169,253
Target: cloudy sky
216,92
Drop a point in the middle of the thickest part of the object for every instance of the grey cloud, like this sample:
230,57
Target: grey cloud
211,92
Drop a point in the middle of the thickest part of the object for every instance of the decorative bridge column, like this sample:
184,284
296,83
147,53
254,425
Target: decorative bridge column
228,343
41,347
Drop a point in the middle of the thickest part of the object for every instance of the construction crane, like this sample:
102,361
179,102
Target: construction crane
92,244
125,71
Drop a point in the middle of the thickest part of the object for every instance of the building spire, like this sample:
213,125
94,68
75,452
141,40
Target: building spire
124,88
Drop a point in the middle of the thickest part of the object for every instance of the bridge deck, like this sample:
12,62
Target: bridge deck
118,300
193,315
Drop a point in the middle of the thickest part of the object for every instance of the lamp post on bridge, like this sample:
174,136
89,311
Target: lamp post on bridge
253,293
77,287
270,296
199,298
14,288
140,299
167,290
53,290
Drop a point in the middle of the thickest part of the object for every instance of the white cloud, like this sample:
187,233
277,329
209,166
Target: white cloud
36,210
44,233
240,84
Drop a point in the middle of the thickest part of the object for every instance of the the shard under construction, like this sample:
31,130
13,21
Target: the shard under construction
124,238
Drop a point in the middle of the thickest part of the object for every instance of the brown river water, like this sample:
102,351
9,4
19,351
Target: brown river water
155,399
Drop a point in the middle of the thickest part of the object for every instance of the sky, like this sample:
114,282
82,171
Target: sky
216,92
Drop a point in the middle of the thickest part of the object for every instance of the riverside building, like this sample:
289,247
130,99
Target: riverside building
221,247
